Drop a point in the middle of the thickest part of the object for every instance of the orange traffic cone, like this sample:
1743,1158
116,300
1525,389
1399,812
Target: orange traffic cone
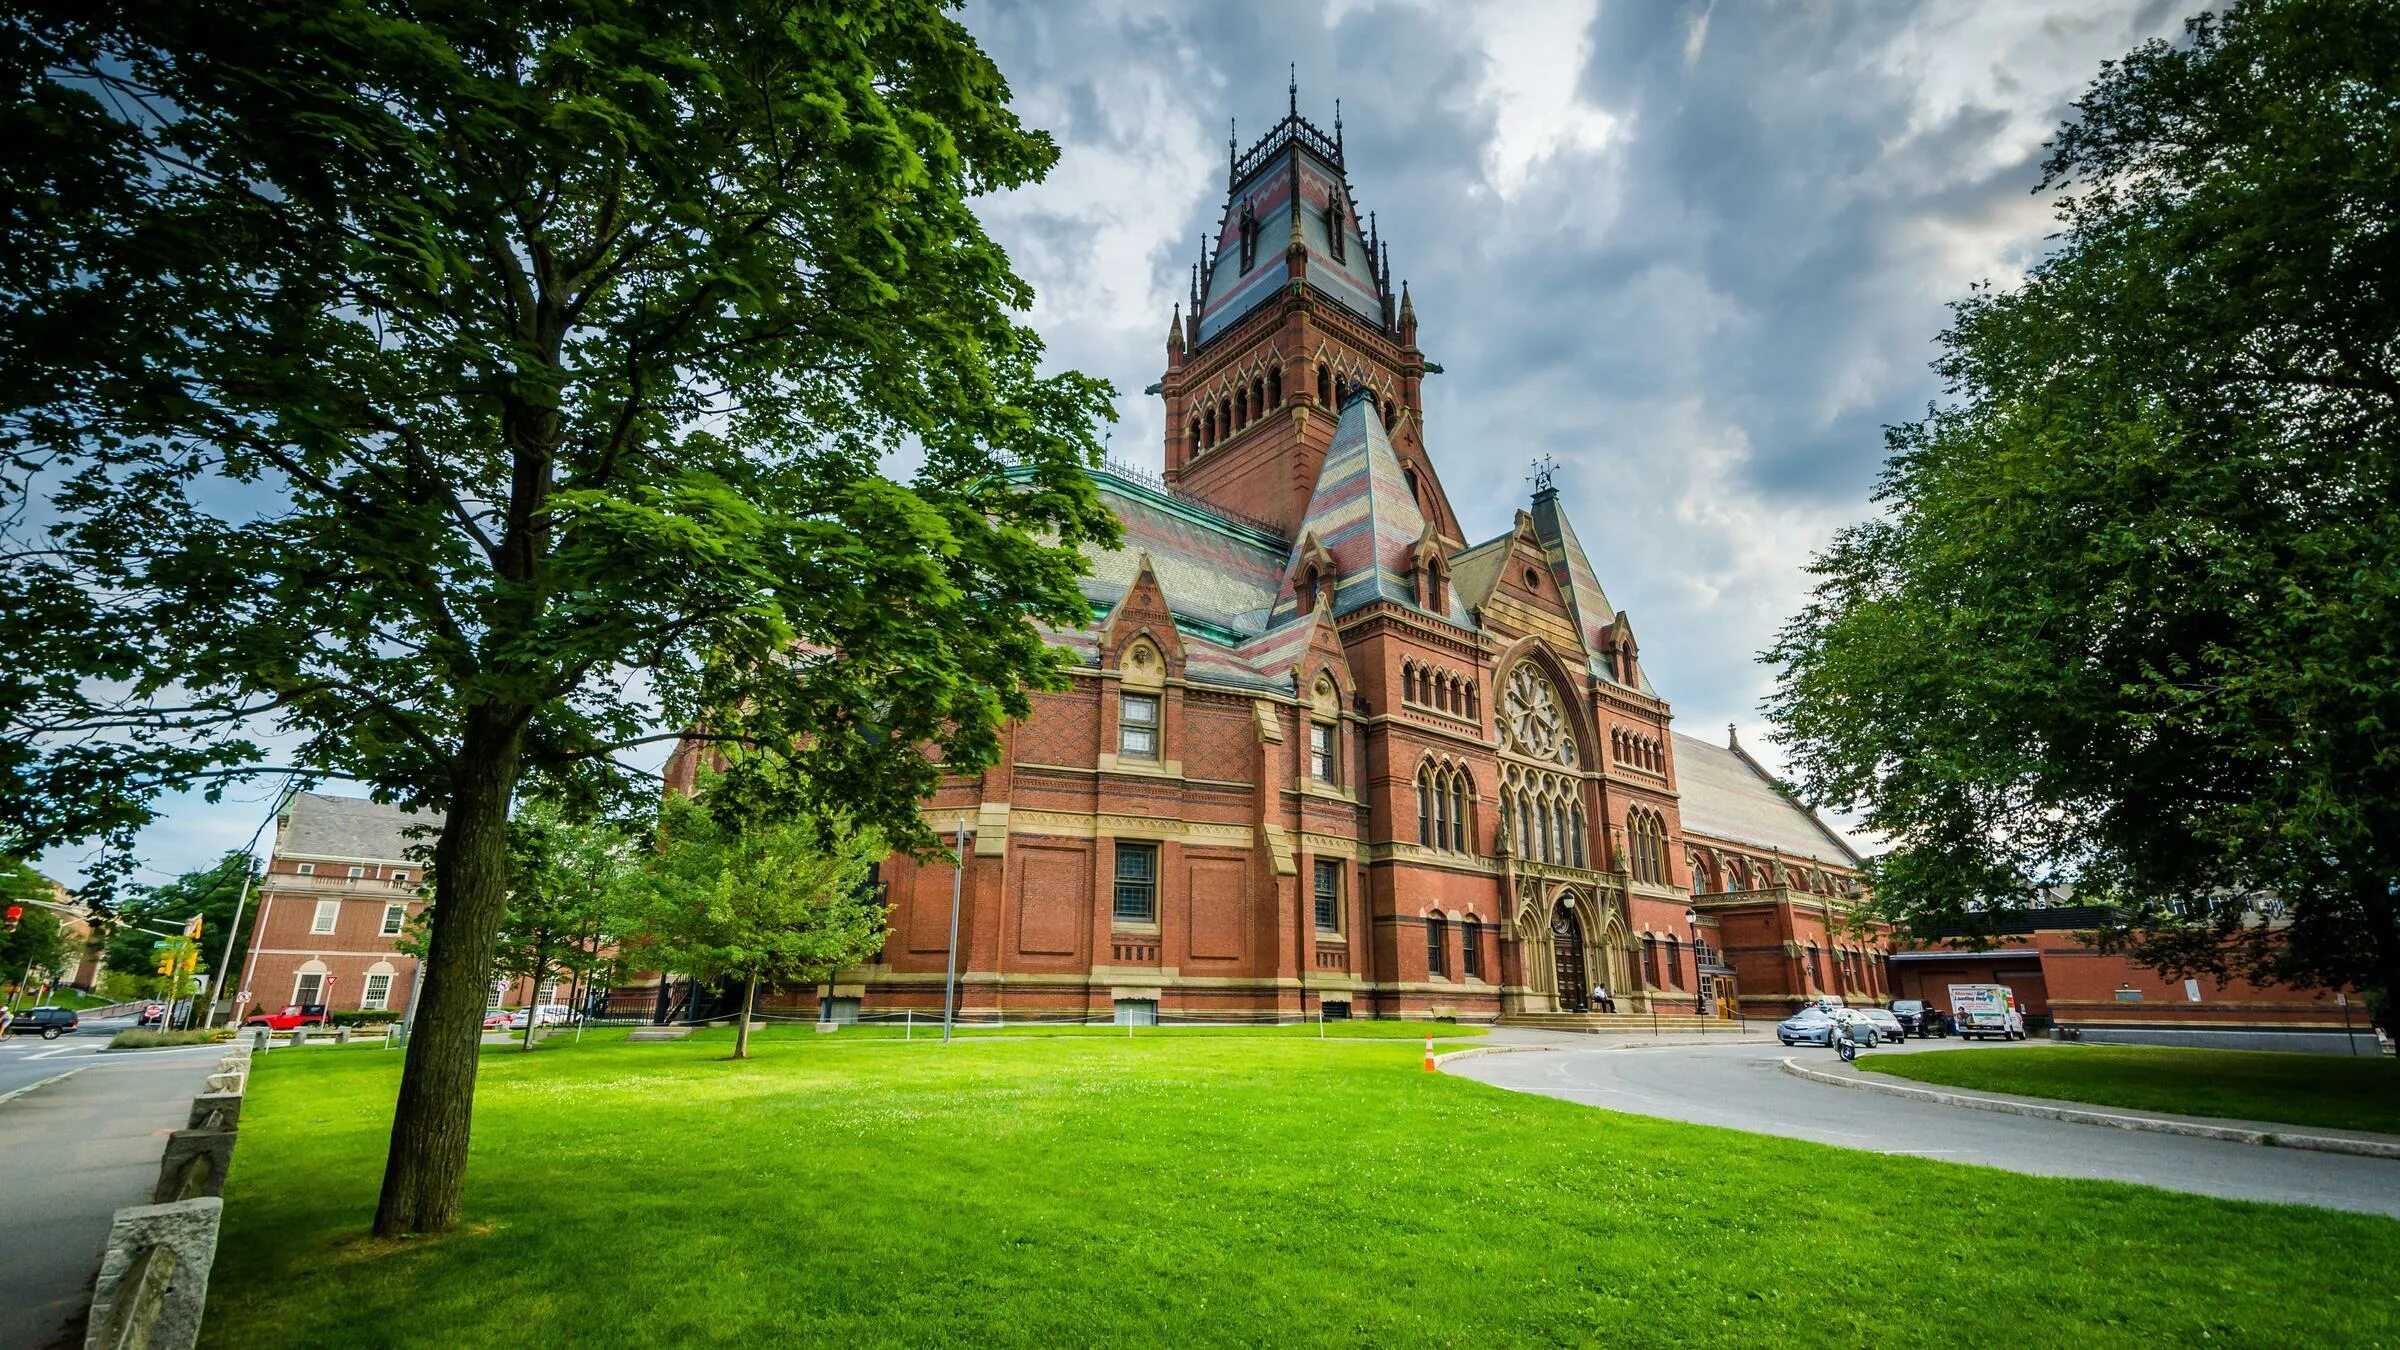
1429,1052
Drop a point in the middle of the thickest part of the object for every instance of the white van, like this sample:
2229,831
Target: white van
1982,1010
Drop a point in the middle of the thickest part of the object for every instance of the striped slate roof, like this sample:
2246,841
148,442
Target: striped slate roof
1364,515
1571,571
1266,191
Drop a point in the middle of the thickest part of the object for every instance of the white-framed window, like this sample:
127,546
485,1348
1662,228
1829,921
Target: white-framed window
548,993
1137,726
399,878
1328,877
308,869
309,988
395,917
356,872
1324,764
378,993
327,912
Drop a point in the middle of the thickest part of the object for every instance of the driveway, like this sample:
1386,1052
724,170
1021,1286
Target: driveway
1742,1086
72,1152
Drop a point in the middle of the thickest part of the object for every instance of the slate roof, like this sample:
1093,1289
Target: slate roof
1264,186
1571,571
1211,569
1363,513
315,825
1726,796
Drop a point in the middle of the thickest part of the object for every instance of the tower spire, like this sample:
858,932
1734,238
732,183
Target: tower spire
1233,153
1294,89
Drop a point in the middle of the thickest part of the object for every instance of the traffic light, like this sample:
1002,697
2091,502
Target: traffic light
15,912
191,928
166,963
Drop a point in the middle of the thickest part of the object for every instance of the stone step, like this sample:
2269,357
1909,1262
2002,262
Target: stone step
658,1033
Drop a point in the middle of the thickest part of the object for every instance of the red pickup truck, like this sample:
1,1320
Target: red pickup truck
293,1015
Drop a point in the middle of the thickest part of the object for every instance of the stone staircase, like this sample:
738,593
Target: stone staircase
1625,1023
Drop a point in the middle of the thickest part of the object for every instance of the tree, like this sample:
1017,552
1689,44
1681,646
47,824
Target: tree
469,394
570,889
740,890
134,929
2132,619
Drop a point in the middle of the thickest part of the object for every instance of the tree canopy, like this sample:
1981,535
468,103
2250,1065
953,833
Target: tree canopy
743,889
464,396
2131,619
209,892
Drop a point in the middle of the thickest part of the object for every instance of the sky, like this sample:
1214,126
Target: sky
1696,251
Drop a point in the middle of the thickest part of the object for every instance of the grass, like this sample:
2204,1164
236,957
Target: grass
1220,1189
2333,1091
1346,1031
136,1039
60,998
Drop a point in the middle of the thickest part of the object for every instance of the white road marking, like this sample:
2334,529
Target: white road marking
62,1050
7,1097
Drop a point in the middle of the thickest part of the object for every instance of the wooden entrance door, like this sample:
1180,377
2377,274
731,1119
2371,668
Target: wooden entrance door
1566,941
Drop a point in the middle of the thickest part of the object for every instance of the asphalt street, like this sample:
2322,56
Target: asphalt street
1742,1086
74,1150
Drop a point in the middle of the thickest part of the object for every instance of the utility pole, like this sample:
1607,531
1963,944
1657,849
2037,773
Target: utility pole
958,877
217,986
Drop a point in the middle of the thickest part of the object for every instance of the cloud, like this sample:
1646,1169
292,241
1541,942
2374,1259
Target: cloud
1696,252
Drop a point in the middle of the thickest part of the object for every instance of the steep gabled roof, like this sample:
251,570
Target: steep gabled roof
1364,515
1571,571
1727,796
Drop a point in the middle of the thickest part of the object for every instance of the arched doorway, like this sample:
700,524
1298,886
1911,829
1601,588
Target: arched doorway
1566,947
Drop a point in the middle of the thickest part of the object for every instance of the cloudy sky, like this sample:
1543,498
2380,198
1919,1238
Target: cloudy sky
1696,250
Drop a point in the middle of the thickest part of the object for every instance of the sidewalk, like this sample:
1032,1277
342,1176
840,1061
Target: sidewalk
2276,1134
1543,1038
75,1151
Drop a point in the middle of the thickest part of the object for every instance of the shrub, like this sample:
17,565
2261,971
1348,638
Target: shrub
365,1017
135,1039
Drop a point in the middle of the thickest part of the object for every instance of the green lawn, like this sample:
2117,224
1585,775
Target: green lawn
1180,1190
2324,1090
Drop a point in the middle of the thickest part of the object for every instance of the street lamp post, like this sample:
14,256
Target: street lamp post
958,876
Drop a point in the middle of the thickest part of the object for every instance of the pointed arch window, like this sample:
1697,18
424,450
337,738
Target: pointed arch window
1275,386
1445,807
1324,384
1241,408
1258,398
1437,945
1197,444
1389,411
1470,948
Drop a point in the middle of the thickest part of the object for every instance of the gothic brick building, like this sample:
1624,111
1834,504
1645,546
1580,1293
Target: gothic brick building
1323,752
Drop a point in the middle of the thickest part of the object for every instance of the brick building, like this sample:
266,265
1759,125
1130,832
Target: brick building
1322,751
341,884
2061,978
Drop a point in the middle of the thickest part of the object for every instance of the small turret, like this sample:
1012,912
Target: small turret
1408,318
1175,347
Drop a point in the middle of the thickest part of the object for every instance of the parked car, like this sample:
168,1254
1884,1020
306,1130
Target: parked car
496,1019
292,1015
1911,1012
49,1023
1887,1027
1813,1026
548,1014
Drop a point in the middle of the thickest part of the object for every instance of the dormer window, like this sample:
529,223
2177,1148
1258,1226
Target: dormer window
1249,236
1333,231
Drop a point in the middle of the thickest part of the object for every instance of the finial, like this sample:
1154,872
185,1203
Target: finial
1545,475
1733,737
1233,153
1295,89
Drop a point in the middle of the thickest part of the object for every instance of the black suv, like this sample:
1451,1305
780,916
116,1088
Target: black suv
52,1023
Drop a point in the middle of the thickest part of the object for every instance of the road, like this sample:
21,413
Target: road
1742,1086
72,1152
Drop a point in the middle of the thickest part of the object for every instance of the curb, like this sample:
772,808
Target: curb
2314,1143
1472,1051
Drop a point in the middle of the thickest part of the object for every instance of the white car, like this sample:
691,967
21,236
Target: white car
546,1015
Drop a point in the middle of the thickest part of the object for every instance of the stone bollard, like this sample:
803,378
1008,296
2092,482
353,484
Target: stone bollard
299,1035
258,1039
193,1165
153,1281
824,1028
341,1036
216,1111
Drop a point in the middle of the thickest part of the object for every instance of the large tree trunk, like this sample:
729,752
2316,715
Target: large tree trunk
741,1034
426,1171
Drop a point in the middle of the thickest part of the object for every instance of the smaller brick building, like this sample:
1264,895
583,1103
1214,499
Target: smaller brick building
339,889
2063,980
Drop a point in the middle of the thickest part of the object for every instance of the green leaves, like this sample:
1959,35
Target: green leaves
2129,619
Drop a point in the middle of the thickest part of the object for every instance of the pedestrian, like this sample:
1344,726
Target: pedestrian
1601,999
